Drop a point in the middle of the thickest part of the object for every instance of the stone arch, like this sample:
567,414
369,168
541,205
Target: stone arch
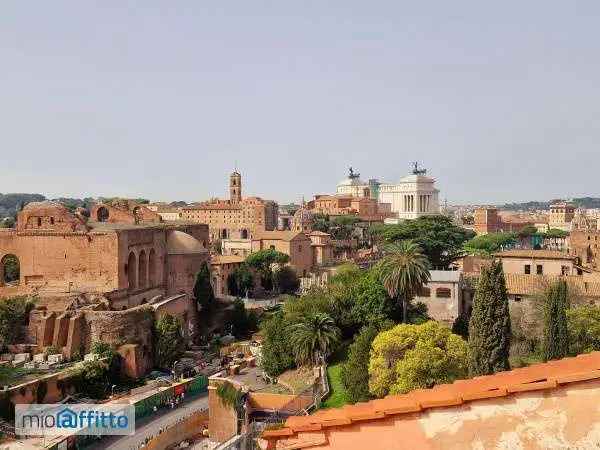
102,214
244,234
132,271
152,268
10,270
142,270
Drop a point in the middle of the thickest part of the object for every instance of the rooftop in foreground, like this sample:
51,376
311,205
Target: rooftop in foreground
536,390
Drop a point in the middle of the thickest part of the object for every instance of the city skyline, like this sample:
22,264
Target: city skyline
161,102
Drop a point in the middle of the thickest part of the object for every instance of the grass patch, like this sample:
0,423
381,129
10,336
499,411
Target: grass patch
337,393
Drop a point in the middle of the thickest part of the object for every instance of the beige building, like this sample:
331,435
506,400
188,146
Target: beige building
322,248
297,245
238,217
413,196
353,186
221,268
538,262
561,215
445,296
236,247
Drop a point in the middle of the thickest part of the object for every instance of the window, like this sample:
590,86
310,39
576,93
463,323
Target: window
527,269
539,269
443,293
425,292
299,249
51,220
564,270
39,221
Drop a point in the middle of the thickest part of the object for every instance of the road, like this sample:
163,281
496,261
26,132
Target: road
151,425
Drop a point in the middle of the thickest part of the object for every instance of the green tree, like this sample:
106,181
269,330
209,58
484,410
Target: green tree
321,223
12,269
14,312
240,281
460,326
355,372
555,342
409,357
92,379
439,238
489,327
583,325
488,244
313,337
242,322
263,261
285,280
403,271
169,344
203,290
276,353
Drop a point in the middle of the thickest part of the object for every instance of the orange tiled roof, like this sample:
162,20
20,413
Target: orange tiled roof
537,377
226,259
521,284
541,254
278,235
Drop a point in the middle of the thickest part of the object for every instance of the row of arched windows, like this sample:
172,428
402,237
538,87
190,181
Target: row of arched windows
141,269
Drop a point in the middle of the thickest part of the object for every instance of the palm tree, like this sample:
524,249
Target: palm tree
403,271
313,337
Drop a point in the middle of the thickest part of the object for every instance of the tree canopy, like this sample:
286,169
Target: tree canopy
555,342
203,290
489,327
285,280
403,271
168,341
263,261
277,354
240,281
583,324
14,312
438,237
410,357
487,244
313,337
355,372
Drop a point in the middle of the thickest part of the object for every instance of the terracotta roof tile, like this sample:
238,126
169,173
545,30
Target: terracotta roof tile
521,284
545,376
541,254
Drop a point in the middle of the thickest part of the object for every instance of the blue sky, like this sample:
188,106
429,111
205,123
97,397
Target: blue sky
159,99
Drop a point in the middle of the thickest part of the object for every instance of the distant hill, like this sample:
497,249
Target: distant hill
583,202
11,203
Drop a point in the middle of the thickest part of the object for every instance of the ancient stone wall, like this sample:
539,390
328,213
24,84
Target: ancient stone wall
131,326
62,262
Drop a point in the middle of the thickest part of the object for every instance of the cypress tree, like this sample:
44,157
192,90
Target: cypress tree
489,327
555,343
203,291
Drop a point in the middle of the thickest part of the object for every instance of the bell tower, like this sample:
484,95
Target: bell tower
235,187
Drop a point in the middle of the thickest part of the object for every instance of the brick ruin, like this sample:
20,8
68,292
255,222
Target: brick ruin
105,277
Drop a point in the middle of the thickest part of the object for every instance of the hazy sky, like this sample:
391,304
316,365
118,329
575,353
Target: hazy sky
499,100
